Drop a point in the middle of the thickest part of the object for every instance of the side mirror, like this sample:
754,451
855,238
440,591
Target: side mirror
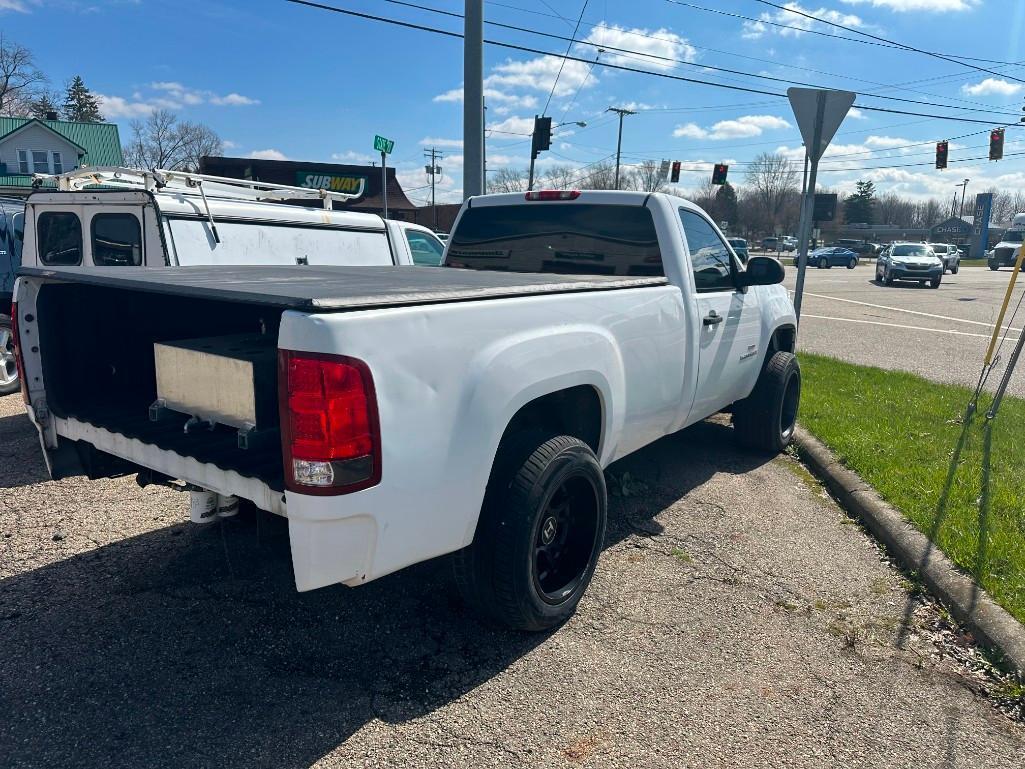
761,271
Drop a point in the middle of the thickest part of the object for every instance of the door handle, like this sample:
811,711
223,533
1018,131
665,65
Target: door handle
712,319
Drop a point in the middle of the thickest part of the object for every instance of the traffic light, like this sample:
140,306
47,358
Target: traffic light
719,173
541,139
675,175
941,154
996,144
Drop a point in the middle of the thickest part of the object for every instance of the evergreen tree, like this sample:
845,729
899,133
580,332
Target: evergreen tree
80,104
726,204
860,207
43,106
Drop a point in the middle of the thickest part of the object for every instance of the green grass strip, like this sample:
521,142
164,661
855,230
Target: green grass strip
901,433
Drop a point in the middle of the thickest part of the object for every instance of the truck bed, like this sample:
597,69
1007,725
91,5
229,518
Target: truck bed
336,289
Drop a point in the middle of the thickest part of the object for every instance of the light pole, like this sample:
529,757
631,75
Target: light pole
964,188
619,142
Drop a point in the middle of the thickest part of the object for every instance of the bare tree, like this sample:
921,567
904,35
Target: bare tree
560,178
648,177
21,82
597,176
507,180
773,189
164,141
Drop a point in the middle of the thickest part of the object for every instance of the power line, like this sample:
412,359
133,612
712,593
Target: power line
894,43
624,68
639,56
563,64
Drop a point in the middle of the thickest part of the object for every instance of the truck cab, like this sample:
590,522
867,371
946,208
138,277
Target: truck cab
1005,253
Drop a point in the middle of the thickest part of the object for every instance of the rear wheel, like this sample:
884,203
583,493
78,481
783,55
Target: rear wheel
765,420
540,532
8,367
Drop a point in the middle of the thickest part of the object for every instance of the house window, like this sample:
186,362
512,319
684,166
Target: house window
23,162
58,163
40,162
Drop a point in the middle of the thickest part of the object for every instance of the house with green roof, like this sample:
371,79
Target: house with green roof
33,146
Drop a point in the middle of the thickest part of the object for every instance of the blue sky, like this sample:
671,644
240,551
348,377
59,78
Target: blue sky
280,80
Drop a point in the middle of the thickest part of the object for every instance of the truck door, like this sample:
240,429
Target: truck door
730,325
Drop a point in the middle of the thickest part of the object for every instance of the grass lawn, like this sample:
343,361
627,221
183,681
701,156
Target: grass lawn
901,434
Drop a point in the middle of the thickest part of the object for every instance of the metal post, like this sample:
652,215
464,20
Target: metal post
473,98
434,201
1012,362
808,206
384,183
619,141
964,190
533,155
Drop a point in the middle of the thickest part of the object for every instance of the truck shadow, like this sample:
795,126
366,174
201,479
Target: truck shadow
21,459
186,646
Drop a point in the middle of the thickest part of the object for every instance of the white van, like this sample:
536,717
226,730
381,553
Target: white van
119,217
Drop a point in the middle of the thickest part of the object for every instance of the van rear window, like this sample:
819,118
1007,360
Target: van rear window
117,240
59,238
564,238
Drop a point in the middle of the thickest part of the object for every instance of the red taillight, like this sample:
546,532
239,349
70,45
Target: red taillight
330,433
19,361
553,195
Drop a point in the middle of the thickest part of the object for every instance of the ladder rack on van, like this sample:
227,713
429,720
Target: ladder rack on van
188,183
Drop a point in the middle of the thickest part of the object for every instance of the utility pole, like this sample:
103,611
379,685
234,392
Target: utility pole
473,98
964,189
619,142
432,171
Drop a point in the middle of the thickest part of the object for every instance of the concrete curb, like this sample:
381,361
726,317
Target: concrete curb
965,599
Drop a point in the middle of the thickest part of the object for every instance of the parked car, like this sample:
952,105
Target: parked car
859,247
394,414
12,225
950,256
1005,253
739,248
770,244
909,261
789,243
831,256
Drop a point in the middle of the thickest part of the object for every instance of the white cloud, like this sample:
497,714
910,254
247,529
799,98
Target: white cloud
233,100
178,95
513,125
856,114
433,141
903,6
660,43
267,154
796,25
115,106
743,127
539,74
885,142
491,96
352,156
990,86
13,5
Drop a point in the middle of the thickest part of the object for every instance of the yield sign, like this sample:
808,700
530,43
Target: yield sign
819,113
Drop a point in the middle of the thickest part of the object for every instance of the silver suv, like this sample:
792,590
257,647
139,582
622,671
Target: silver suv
949,255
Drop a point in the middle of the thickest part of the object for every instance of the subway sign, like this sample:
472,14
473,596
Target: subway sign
348,184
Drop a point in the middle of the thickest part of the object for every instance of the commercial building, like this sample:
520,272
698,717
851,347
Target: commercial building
32,146
363,182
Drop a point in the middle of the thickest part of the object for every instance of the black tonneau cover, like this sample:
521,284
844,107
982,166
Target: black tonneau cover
331,289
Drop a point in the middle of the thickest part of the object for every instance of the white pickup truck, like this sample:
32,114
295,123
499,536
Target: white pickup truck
395,414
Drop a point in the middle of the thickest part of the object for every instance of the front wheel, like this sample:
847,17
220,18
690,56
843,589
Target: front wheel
765,420
954,269
540,532
8,366
823,263
852,263
994,267
935,282
887,278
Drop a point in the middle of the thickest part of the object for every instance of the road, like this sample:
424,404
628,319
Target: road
941,334
737,619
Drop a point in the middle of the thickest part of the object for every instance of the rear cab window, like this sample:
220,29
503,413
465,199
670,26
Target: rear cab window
426,249
59,238
562,238
116,240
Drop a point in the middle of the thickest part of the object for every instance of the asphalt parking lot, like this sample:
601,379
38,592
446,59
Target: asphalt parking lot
722,630
941,334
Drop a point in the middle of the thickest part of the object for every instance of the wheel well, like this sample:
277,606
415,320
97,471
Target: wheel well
783,339
575,411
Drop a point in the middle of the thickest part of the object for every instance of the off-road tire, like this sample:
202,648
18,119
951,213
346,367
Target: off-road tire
498,573
765,419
